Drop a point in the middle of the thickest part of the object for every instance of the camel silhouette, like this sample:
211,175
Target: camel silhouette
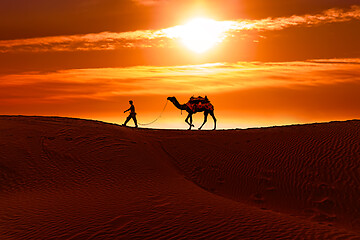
206,108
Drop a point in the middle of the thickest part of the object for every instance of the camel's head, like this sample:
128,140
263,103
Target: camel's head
170,98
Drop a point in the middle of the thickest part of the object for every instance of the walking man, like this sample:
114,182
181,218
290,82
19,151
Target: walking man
132,114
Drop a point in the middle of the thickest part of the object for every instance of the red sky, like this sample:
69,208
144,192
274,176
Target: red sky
276,62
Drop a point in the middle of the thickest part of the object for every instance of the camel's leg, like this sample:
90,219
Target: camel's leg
205,119
186,120
191,121
213,116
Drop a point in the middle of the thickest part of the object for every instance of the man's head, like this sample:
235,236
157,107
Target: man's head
131,102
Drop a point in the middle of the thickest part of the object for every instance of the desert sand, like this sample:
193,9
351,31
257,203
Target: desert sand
64,178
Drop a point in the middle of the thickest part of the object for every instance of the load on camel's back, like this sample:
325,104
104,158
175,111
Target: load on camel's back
199,104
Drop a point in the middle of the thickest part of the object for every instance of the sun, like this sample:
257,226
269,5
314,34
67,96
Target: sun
199,34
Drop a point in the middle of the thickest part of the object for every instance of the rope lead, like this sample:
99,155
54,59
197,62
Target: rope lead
145,124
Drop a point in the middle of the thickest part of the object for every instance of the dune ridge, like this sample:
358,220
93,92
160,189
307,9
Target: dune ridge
64,178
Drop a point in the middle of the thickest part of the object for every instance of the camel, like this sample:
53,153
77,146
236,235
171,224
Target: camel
191,112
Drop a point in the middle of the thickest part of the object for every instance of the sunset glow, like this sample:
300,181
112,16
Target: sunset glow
259,63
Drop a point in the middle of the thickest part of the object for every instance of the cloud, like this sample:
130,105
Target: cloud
166,37
215,78
149,2
337,60
81,42
328,16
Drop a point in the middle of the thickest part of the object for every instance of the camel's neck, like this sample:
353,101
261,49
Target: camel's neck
177,104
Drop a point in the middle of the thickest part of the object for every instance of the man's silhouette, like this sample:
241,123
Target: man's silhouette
132,114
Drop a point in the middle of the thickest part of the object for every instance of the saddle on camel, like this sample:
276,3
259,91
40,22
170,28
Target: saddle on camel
198,104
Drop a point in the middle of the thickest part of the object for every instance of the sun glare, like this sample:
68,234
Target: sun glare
199,34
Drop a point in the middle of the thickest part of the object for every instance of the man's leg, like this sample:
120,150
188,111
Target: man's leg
127,120
135,121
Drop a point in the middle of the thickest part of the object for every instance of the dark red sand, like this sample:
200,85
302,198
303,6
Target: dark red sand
64,178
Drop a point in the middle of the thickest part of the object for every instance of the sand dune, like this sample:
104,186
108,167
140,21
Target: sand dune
63,178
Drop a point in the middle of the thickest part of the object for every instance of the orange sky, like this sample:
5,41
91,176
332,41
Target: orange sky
270,63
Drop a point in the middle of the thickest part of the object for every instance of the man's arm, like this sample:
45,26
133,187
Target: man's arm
127,110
